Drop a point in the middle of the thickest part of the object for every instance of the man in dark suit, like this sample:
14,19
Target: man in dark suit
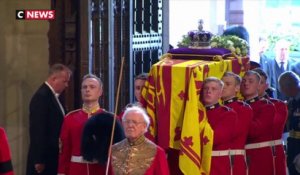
278,65
296,68
45,120
290,85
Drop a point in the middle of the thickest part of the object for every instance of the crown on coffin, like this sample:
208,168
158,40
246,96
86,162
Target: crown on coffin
200,39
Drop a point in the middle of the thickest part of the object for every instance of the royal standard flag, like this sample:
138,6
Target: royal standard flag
196,136
165,91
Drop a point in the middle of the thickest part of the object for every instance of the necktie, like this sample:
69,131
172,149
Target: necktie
281,67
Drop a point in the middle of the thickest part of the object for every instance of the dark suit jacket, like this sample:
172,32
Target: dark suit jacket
263,61
296,68
273,71
45,122
293,144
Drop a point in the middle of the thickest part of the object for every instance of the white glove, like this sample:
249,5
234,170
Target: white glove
297,163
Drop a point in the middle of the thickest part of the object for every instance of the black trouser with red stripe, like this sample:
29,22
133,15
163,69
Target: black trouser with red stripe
6,167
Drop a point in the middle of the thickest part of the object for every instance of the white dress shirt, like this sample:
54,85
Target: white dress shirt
56,95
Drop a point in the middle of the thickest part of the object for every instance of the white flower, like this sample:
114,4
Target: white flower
213,44
233,43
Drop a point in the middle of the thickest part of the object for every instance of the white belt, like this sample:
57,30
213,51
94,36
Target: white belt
237,152
80,159
277,142
220,153
228,152
263,144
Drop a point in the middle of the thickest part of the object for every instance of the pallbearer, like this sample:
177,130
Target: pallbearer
278,124
260,137
232,84
223,121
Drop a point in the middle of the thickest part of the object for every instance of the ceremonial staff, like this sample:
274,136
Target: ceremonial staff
115,116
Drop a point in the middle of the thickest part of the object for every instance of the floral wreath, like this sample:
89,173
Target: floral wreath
233,43
236,45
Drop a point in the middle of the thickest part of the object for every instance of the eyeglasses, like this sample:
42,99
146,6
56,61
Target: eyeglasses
135,123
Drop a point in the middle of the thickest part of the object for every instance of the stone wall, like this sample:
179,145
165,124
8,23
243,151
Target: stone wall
23,67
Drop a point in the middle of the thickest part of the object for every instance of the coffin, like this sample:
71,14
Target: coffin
167,89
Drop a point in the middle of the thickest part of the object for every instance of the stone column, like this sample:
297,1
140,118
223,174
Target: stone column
23,67
234,13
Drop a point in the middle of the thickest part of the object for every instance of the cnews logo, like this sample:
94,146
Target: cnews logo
35,14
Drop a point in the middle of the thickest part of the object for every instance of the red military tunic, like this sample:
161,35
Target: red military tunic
141,157
5,157
244,118
278,127
259,141
223,121
70,159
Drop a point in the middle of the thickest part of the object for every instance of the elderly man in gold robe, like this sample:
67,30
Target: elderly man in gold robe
136,154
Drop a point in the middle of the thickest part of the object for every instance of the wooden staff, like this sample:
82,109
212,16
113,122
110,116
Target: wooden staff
115,116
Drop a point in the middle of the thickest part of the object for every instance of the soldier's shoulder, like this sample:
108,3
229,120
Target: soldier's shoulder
226,108
243,104
265,101
274,100
240,102
73,112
